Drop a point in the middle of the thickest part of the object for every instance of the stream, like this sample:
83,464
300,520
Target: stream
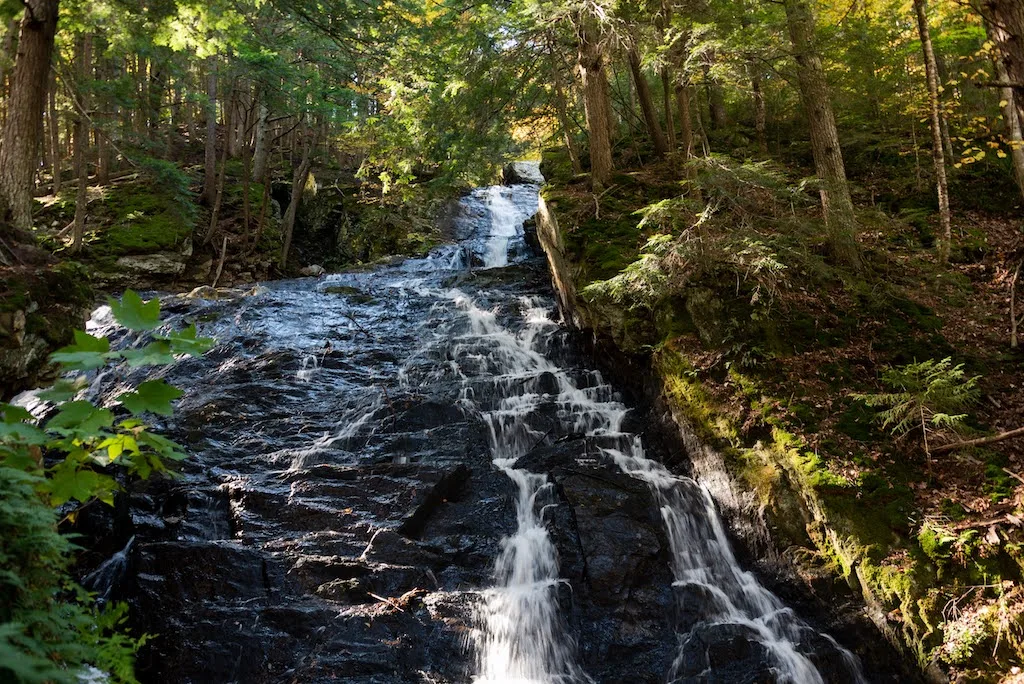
415,474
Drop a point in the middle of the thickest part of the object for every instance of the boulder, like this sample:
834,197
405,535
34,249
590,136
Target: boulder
159,264
312,270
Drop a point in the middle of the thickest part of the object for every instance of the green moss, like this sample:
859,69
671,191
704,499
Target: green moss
937,544
139,219
353,294
858,421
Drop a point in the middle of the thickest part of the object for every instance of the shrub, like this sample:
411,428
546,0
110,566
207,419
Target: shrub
49,627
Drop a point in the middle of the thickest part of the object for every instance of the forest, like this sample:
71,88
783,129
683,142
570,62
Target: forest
800,222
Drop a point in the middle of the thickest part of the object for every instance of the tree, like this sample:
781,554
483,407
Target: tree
22,130
836,203
82,139
643,91
935,123
1005,21
590,67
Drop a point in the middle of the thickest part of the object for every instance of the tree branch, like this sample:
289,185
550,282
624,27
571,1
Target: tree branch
978,442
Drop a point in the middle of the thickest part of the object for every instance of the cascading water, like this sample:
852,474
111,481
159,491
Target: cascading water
365,497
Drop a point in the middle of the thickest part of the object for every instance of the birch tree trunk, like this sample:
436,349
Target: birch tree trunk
1013,127
935,121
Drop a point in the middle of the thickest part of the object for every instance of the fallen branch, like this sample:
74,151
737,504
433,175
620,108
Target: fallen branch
390,602
978,442
1016,476
14,255
220,266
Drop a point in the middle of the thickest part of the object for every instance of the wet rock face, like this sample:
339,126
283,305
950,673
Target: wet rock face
342,514
318,535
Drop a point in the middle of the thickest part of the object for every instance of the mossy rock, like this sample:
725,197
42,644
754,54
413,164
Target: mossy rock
43,308
353,294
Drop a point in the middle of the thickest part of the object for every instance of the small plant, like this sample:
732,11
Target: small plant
49,627
930,395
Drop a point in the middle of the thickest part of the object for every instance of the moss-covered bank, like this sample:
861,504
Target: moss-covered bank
764,398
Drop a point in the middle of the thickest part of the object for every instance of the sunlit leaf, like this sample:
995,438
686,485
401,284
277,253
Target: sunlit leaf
154,396
135,314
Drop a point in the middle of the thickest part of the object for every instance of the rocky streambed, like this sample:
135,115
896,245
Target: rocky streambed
416,474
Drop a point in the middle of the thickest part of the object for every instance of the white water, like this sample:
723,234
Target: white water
520,637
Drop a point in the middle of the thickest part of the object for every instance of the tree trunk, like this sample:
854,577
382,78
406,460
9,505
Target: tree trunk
7,47
155,101
234,132
837,206
562,110
938,157
760,115
26,101
102,67
219,198
643,92
716,97
670,123
1005,22
82,140
264,203
210,157
55,155
298,186
1013,127
259,155
142,97
685,121
596,99
246,182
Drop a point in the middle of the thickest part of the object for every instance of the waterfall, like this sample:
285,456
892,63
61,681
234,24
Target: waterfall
387,465
521,636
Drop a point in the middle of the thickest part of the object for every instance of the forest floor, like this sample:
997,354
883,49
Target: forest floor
938,541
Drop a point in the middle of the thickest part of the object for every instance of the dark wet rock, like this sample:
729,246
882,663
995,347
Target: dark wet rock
341,515
624,596
723,654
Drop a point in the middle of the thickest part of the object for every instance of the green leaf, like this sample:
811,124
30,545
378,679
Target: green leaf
135,314
63,390
81,418
15,414
164,447
115,446
19,457
86,353
81,484
22,433
157,353
153,395
186,342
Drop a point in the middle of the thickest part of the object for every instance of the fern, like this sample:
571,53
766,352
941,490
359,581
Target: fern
930,395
